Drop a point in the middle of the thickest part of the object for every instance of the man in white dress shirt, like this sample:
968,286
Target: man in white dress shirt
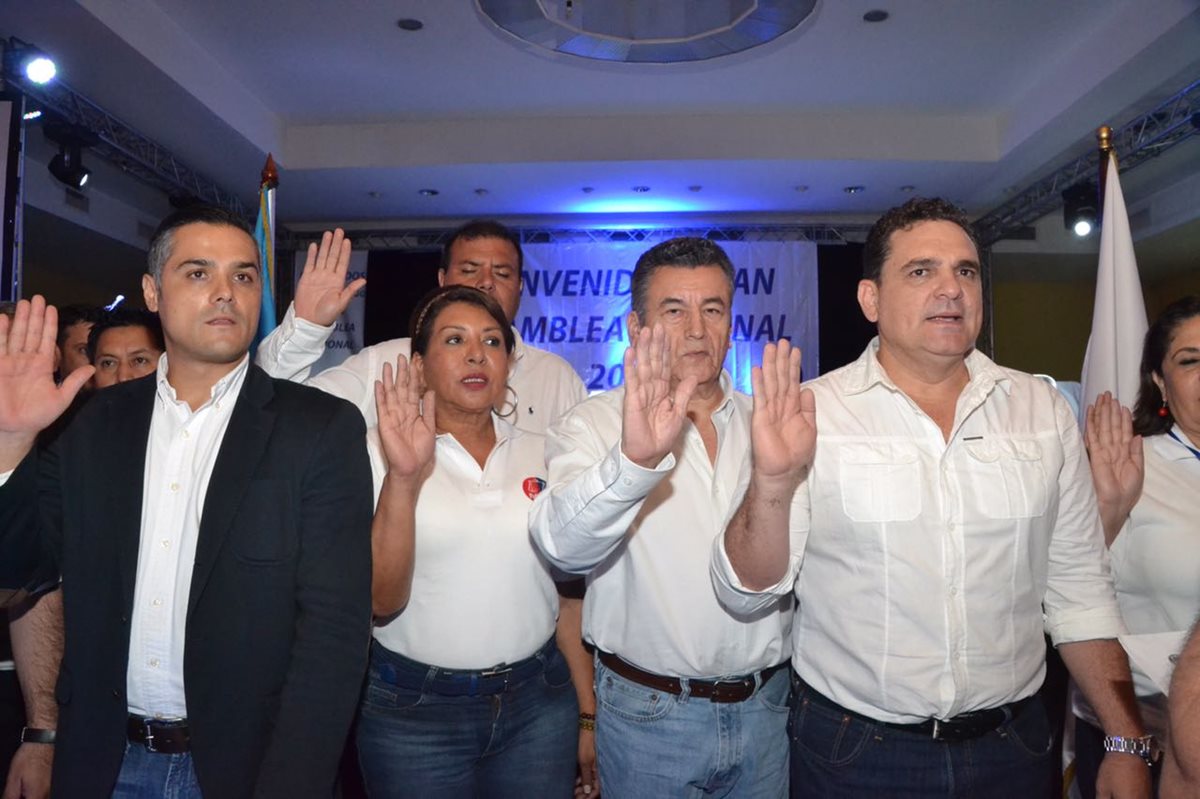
483,254
690,696
949,502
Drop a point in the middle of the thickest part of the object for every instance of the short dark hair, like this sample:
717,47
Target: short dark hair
71,315
482,229
687,252
436,301
1146,421
162,240
125,317
903,217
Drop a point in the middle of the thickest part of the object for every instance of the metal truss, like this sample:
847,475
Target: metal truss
432,238
121,145
1147,136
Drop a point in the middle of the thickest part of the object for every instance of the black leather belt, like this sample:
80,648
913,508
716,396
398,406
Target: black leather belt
165,737
963,727
395,669
738,689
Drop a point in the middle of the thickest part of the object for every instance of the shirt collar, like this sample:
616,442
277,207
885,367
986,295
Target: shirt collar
227,386
867,372
1173,450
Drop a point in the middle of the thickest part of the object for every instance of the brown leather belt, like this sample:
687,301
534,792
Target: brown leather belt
166,737
736,690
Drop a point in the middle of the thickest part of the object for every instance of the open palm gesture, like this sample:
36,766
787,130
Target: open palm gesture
653,413
1115,454
407,428
321,293
29,398
783,425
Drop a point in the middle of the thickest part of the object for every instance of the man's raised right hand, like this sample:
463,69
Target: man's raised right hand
321,293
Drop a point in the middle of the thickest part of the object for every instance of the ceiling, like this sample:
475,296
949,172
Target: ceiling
968,100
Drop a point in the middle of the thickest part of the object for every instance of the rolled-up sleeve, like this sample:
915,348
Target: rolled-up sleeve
1080,601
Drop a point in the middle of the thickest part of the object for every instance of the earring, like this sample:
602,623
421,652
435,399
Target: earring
511,404
1162,411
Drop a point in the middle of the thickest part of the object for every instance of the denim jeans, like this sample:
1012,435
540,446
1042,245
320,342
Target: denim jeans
155,775
839,755
517,744
653,744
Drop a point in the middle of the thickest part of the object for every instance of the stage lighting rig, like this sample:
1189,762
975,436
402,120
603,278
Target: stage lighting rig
68,166
25,62
1079,209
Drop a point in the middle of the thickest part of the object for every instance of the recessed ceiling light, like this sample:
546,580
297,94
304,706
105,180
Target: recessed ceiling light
587,190
695,188
481,192
410,24
801,188
641,189
374,195
875,15
427,192
908,188
854,189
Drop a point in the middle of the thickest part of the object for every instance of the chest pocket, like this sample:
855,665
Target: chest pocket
1007,478
880,482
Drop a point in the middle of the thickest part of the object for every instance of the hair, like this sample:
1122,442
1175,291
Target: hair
125,317
163,238
71,315
686,252
439,299
903,217
1146,421
8,309
482,229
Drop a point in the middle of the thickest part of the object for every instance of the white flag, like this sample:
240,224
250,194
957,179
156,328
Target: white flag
1114,349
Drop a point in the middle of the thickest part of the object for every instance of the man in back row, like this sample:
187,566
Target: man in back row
482,254
948,502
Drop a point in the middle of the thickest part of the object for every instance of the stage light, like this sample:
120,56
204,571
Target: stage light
40,70
1079,209
29,116
68,167
23,61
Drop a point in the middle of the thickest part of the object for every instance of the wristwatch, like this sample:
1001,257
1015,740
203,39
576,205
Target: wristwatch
1145,746
33,735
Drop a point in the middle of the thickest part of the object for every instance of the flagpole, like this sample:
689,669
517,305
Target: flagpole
1104,140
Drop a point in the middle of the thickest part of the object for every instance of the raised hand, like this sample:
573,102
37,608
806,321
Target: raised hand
321,293
1115,457
783,426
653,412
406,421
29,398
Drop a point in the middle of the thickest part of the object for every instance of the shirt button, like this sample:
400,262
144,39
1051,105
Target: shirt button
174,487
154,663
627,481
156,602
166,544
954,590
186,434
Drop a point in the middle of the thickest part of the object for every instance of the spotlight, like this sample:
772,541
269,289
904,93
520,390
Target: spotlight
68,167
1079,209
26,61
29,116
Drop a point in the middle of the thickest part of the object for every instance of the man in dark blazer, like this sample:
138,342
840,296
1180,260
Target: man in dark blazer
209,497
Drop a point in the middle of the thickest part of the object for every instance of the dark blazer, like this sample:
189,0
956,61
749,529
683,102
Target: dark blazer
279,612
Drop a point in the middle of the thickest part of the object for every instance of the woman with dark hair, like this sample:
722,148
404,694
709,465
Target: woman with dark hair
467,693
1146,470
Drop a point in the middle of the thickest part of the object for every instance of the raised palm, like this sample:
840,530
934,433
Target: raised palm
652,413
407,428
783,426
30,400
321,293
1114,453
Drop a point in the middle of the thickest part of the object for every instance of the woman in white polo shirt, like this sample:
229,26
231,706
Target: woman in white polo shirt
1146,470
468,694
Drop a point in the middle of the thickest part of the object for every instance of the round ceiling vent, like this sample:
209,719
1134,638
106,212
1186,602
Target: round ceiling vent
655,32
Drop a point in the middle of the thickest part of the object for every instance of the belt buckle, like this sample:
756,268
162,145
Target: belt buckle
146,727
937,729
497,671
728,691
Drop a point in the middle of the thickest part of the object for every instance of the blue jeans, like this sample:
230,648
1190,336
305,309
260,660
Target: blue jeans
836,754
653,744
517,744
154,775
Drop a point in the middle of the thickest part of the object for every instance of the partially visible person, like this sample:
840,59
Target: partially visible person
1181,767
1146,470
483,254
124,344
74,324
468,693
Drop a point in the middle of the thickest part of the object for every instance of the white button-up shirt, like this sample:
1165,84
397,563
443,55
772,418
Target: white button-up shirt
481,593
643,536
927,563
180,455
545,385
